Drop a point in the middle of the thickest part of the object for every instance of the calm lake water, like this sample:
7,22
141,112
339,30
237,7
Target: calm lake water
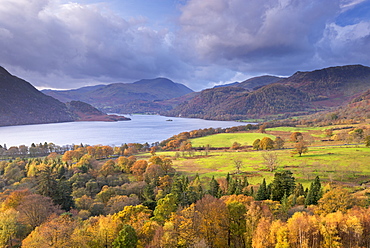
141,129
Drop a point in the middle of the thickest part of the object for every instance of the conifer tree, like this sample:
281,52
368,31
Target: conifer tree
262,192
314,193
284,183
214,188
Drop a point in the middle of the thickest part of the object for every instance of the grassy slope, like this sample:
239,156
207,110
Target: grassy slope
339,163
227,139
329,160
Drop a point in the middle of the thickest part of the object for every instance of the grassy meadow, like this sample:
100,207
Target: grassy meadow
331,160
227,139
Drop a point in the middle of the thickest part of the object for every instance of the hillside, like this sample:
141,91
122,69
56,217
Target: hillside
21,103
138,97
302,93
85,112
257,82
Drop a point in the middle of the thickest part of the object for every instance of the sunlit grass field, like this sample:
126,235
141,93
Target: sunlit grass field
332,163
227,139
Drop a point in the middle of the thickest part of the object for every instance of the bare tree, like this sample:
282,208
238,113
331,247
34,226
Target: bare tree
270,160
238,165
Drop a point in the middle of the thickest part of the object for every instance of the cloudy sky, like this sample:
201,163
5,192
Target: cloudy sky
65,44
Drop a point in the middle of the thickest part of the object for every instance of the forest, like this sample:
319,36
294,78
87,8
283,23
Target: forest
139,195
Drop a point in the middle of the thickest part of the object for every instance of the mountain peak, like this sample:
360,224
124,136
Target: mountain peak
3,71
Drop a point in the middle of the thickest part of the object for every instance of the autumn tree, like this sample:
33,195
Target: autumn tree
35,209
14,199
262,128
138,169
260,238
164,162
138,217
300,147
9,227
266,143
235,146
101,232
336,199
256,144
186,146
212,221
303,230
108,168
55,233
296,136
165,207
279,143
126,238
153,150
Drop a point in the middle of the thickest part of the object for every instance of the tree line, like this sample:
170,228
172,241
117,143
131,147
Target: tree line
84,201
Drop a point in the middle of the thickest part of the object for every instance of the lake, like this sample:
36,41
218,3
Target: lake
141,129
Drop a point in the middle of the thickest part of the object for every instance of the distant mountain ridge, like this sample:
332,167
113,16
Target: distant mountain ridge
22,104
260,97
138,97
302,93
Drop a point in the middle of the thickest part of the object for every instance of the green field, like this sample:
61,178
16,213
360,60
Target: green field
227,139
296,129
347,164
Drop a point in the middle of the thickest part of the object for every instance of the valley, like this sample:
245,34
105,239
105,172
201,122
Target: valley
305,161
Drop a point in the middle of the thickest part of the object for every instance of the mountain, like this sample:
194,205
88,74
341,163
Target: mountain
253,83
302,93
85,112
71,95
138,97
226,85
257,82
21,104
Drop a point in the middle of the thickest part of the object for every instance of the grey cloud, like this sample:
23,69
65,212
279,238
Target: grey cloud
251,31
80,41
71,45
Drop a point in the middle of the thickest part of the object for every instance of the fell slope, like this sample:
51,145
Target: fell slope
21,103
302,93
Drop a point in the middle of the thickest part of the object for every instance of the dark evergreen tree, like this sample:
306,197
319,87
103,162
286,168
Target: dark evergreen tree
179,189
46,182
231,186
214,188
284,183
63,194
148,194
314,194
262,192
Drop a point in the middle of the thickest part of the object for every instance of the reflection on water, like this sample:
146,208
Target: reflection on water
141,129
